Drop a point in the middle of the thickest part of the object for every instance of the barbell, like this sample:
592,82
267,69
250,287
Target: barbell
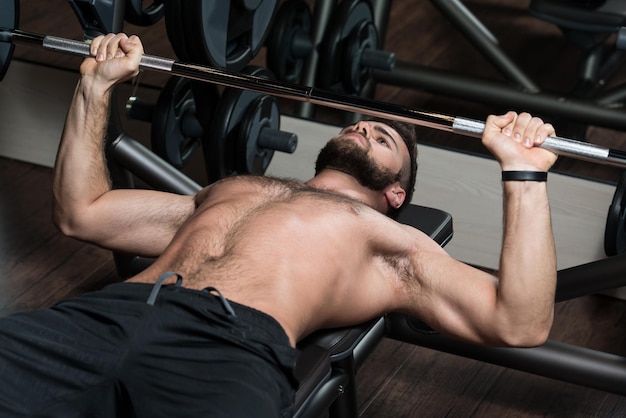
366,106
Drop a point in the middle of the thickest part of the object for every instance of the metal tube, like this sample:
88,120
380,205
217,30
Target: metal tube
594,277
366,106
322,14
500,95
561,146
149,167
612,96
485,41
554,359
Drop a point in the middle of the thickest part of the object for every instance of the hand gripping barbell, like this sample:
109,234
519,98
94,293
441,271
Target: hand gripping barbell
459,125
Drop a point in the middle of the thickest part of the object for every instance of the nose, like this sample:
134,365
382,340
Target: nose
363,128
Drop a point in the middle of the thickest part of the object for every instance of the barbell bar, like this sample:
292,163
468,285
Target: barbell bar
459,125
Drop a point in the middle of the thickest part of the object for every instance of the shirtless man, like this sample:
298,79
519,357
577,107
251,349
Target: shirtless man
254,264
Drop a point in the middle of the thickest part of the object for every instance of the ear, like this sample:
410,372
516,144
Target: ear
395,195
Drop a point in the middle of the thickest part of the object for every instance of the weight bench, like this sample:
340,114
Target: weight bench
330,359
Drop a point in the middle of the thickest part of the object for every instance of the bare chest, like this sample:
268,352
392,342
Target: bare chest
299,257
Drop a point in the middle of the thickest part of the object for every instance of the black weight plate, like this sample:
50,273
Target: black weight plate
249,4
220,146
353,74
174,26
176,127
136,14
262,113
286,45
615,228
197,13
9,18
348,17
226,34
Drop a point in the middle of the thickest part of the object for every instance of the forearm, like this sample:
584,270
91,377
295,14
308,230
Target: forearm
80,172
525,294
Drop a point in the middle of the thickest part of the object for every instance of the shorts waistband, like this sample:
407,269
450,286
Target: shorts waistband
178,297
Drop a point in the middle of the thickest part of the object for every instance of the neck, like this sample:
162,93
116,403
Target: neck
345,184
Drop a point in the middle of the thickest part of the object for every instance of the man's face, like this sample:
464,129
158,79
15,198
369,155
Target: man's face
371,152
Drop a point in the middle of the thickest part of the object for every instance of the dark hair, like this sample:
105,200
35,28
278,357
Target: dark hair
409,136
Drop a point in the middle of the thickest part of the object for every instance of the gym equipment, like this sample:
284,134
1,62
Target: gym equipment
323,15
136,14
99,16
289,40
460,125
9,19
350,49
129,154
334,377
177,131
238,131
588,25
218,33
600,109
615,230
245,132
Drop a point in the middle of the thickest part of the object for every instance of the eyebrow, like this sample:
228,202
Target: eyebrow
381,129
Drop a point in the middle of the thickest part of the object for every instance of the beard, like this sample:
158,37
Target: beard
350,158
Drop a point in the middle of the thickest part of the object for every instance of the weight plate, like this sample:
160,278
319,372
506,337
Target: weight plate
9,19
221,145
289,41
349,16
615,228
176,122
175,28
249,4
261,114
354,75
136,14
226,34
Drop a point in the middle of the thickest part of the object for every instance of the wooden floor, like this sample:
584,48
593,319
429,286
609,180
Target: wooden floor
38,266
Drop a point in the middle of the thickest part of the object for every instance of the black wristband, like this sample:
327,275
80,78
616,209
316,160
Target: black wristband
524,176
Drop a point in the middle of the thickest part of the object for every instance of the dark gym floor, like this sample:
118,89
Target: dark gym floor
38,266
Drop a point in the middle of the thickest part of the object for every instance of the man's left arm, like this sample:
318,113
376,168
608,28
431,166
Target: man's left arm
515,308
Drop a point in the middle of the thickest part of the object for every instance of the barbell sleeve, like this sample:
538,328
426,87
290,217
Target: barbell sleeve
463,126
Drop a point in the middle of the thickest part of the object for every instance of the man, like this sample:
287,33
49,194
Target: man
251,265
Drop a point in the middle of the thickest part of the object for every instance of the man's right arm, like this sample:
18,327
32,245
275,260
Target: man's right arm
136,221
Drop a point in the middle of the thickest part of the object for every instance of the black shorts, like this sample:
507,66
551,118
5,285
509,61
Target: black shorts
109,353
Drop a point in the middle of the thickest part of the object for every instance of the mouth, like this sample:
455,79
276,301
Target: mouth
357,137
